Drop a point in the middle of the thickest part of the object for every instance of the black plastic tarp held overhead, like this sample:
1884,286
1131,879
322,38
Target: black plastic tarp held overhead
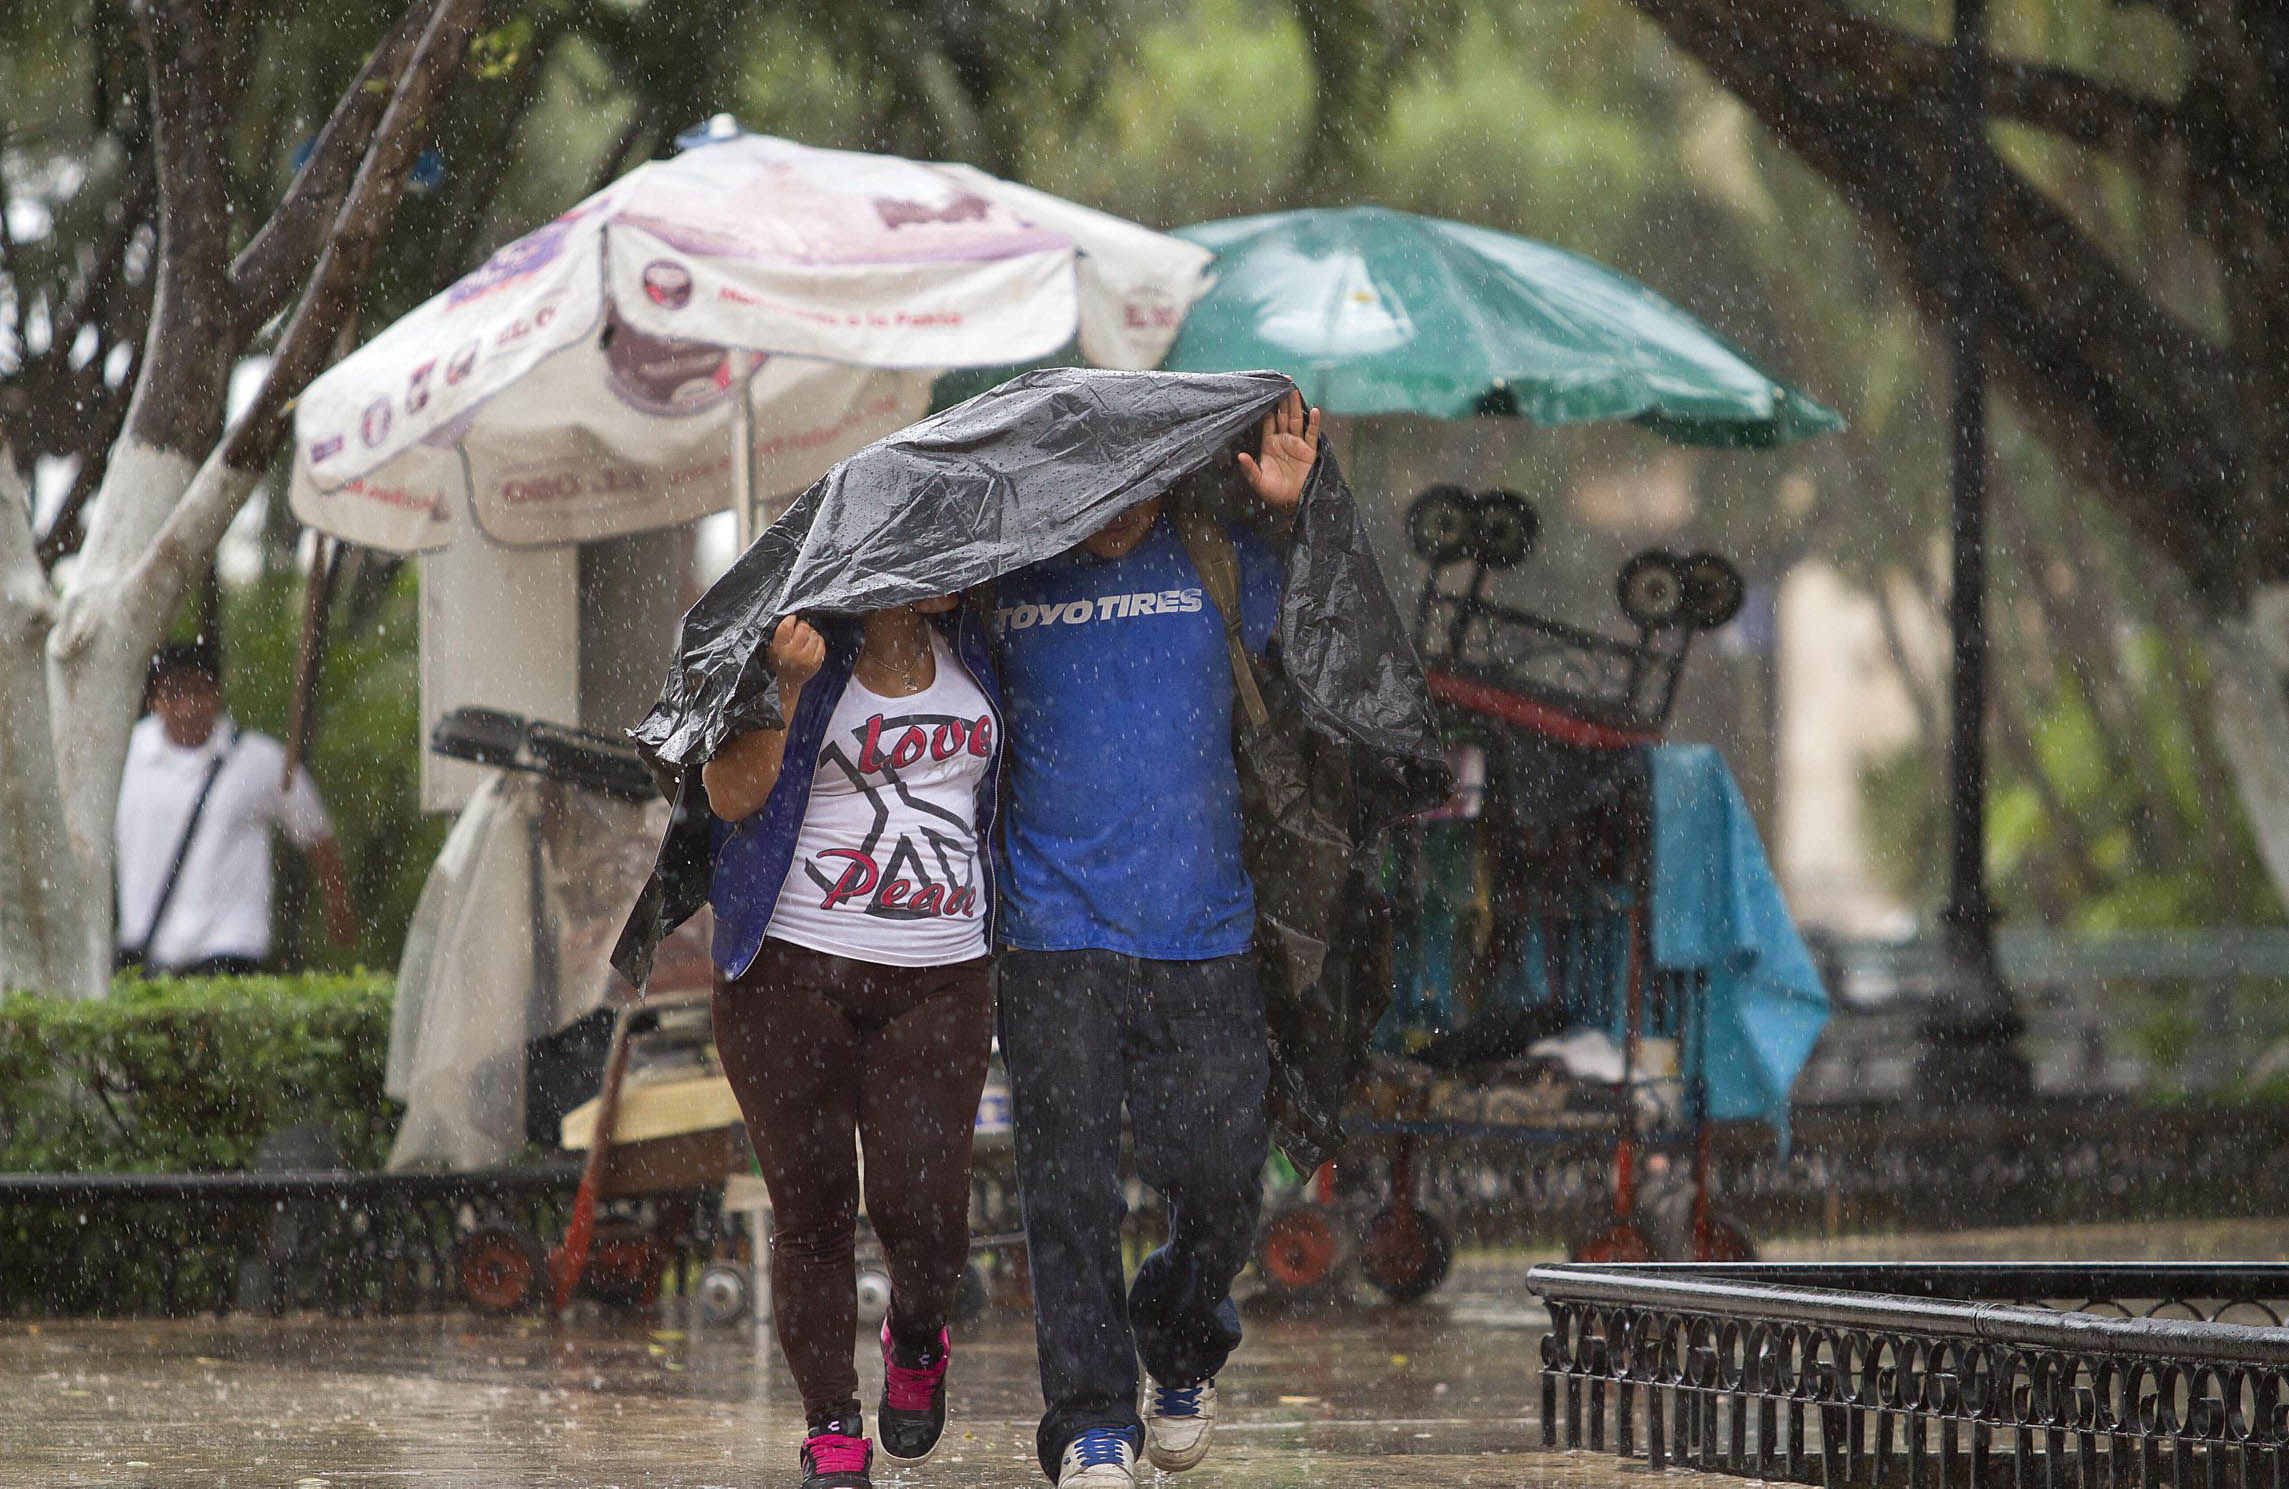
1011,477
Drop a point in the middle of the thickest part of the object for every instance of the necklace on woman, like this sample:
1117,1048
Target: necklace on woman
908,673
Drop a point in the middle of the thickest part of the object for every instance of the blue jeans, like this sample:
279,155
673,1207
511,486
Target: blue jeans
1184,1044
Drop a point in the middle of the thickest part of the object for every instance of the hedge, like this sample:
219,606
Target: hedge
181,1075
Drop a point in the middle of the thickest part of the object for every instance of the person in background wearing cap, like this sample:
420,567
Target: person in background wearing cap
197,805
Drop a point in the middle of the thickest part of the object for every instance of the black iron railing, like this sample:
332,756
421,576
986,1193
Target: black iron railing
1883,1168
1932,1376
345,1242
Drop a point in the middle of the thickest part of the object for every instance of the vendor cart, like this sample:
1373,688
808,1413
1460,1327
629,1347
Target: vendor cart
1532,1024
667,1168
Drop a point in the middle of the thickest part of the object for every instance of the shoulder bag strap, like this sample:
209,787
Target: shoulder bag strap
183,849
1210,548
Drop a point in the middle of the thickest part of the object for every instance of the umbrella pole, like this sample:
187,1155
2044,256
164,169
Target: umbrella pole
743,447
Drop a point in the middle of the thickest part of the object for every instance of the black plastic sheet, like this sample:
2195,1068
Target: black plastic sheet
1011,477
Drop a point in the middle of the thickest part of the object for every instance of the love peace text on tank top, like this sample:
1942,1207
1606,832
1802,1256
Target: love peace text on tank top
886,864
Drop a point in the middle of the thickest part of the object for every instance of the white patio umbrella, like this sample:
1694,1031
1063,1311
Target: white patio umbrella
586,381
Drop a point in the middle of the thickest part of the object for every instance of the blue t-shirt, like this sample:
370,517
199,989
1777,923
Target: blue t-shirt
1122,827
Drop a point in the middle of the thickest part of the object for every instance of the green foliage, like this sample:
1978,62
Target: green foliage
170,1075
1223,86
2090,828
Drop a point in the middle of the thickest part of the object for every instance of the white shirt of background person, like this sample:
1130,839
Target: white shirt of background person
221,903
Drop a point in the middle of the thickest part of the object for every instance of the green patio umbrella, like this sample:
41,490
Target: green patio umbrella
1374,311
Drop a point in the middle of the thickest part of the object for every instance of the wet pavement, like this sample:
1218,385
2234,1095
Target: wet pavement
1438,1394
1342,1397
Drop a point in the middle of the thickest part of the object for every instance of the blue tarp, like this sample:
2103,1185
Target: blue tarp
1717,910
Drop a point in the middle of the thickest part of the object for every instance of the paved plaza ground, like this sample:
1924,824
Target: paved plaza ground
1345,1397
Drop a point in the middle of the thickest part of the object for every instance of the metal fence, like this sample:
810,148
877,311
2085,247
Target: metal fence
1886,1167
355,1242
1932,1376
344,1242
2081,996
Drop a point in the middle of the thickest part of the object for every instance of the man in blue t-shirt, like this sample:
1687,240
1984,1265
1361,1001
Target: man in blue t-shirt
1126,915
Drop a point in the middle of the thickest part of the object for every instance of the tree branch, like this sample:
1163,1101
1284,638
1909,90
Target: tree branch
2129,399
101,283
2072,105
187,536
358,228
8,251
273,263
178,397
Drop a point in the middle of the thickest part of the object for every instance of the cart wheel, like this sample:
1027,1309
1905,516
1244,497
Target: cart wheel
1299,1250
1618,1244
1441,524
1713,591
624,1266
1651,588
873,1297
500,1267
1504,532
970,1298
1406,1255
1725,1242
1669,1225
724,1293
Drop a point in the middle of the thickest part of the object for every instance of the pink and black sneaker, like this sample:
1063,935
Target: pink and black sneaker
837,1456
913,1398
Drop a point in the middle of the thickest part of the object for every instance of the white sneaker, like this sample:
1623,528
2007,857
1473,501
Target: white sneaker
1100,1458
1177,1423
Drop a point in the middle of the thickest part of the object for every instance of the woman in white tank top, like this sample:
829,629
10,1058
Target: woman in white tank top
866,1007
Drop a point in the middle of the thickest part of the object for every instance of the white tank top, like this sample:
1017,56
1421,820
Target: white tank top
886,864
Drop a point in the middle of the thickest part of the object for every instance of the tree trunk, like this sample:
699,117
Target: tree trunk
162,509
45,937
2185,434
2249,693
111,617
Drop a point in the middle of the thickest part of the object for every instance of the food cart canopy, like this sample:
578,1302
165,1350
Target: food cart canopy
581,383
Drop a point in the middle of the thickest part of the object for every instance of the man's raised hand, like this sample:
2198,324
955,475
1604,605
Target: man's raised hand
1288,444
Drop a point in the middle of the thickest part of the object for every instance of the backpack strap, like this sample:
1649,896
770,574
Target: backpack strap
1210,548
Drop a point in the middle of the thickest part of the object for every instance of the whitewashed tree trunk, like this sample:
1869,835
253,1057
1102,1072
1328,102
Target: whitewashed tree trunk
46,919
110,617
72,664
2249,692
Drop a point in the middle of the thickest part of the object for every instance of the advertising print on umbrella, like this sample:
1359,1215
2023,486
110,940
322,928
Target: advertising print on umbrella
585,381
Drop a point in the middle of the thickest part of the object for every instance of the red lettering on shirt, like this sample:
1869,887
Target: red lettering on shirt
869,756
857,877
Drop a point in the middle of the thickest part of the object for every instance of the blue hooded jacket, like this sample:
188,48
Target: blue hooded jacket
752,856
